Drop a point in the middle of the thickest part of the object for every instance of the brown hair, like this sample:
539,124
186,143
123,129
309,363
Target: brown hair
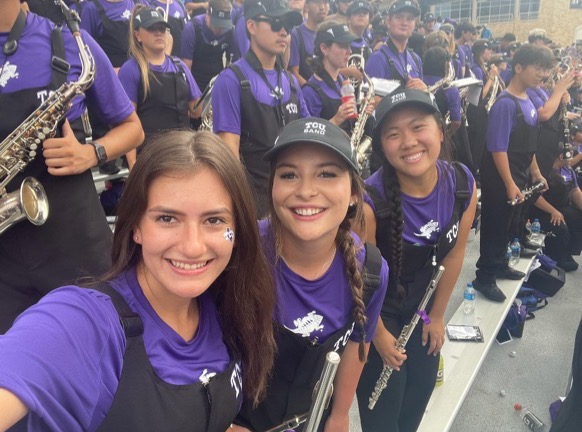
345,243
244,292
440,39
316,60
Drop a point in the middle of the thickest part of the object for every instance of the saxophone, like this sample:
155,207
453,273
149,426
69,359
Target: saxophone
445,81
19,148
405,334
361,144
205,102
493,94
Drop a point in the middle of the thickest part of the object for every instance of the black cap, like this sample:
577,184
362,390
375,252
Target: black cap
220,18
480,45
429,17
398,99
358,5
317,131
339,34
404,5
272,8
513,46
147,17
447,28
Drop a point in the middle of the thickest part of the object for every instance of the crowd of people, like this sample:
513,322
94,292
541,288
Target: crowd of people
275,209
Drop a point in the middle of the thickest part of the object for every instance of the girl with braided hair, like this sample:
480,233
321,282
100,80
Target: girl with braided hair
419,212
326,301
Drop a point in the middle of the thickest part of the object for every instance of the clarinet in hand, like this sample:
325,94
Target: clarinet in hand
528,192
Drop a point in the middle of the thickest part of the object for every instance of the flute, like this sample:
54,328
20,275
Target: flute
528,192
405,334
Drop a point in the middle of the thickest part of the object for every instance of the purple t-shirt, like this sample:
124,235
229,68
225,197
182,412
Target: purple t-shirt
241,41
478,72
452,96
20,73
503,118
426,218
357,46
130,78
460,61
64,355
319,308
312,98
378,66
468,51
569,175
226,95
189,37
539,96
308,41
115,11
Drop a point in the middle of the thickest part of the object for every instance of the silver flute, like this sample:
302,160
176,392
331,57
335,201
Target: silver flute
405,334
528,192
321,397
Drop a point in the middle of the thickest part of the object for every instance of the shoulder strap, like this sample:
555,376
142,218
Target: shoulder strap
388,60
381,206
416,59
178,65
130,321
244,83
59,65
371,273
291,81
302,49
462,192
99,7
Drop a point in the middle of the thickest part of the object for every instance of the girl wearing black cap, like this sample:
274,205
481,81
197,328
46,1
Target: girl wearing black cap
329,285
160,87
437,201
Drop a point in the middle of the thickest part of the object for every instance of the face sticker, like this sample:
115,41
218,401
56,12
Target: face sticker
229,235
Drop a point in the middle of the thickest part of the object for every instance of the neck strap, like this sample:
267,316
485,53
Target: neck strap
11,44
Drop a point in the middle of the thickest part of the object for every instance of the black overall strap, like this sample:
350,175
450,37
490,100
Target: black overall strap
371,271
130,321
59,65
11,44
327,79
181,72
245,84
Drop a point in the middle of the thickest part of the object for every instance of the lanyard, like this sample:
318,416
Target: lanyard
393,48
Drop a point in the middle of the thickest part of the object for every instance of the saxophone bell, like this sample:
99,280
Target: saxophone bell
29,202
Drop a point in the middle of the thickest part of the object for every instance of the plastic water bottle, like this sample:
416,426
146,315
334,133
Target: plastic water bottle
349,95
536,228
469,302
528,226
515,252
440,379
529,419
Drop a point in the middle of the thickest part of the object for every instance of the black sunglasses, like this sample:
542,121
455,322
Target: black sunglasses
276,24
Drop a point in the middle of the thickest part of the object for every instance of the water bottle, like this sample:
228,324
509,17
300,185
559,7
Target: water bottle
508,253
528,226
536,227
349,95
469,303
529,419
515,252
440,379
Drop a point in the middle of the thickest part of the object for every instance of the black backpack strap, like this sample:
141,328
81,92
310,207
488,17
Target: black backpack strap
371,271
59,65
291,81
178,64
130,321
244,83
380,204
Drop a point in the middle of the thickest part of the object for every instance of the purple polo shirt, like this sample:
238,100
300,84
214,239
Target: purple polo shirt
319,308
426,218
503,118
64,355
189,37
115,11
312,98
20,73
130,78
227,92
378,66
452,96
308,40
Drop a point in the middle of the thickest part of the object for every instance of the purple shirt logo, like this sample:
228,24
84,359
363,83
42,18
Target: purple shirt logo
427,229
9,71
236,379
308,324
127,14
205,377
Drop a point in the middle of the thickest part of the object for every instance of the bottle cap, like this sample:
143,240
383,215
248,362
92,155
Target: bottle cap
517,407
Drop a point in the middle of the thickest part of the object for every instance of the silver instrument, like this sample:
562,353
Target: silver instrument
528,192
493,93
357,61
19,148
206,103
445,81
362,145
405,334
383,87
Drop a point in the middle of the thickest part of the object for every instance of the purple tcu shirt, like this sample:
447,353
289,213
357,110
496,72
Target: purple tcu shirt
308,40
20,73
503,118
539,96
312,98
319,308
130,77
569,175
189,37
426,218
377,65
241,41
452,96
64,355
226,95
115,11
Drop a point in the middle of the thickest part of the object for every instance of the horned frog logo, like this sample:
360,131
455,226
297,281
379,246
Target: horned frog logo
427,229
9,71
205,377
308,324
126,14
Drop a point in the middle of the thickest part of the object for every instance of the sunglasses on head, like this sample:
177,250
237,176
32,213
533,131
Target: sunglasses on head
276,24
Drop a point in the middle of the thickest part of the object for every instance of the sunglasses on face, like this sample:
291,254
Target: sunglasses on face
156,29
276,24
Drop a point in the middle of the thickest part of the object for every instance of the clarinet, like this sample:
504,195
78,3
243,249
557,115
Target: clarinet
528,192
322,396
405,335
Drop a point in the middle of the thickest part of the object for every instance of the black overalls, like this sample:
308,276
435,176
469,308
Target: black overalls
145,403
260,126
207,57
478,116
330,106
115,37
401,405
74,241
304,69
166,107
501,222
551,134
299,362
46,8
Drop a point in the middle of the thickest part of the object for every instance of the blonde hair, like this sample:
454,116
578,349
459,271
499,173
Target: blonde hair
137,52
440,39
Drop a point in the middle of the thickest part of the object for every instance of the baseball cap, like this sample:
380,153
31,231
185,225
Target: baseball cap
404,5
339,34
220,18
429,17
272,8
447,28
147,17
358,5
535,34
317,131
480,45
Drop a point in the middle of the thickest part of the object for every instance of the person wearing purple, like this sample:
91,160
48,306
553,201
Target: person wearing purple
75,238
419,212
358,21
160,87
509,165
465,34
176,19
394,60
329,285
255,98
206,40
303,39
107,21
167,339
